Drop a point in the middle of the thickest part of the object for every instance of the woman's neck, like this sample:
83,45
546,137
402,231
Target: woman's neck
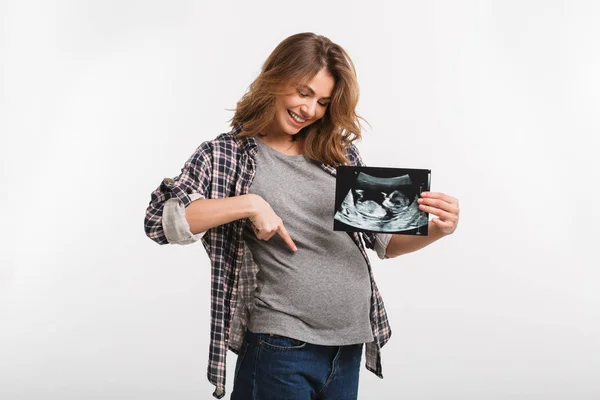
283,144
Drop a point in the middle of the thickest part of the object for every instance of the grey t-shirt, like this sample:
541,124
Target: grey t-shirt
320,294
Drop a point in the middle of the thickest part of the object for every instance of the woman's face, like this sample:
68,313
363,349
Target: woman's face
303,105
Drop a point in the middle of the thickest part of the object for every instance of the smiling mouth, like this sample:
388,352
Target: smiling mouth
296,117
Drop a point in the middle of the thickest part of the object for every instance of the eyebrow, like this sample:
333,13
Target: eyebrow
313,92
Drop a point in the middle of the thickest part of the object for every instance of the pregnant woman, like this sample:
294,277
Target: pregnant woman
294,299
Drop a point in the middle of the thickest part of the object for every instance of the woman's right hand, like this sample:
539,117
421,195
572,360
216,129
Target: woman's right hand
265,223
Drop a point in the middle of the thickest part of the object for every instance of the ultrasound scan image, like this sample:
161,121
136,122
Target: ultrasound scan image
384,200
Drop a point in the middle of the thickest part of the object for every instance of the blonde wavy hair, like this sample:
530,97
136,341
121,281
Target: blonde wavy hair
296,60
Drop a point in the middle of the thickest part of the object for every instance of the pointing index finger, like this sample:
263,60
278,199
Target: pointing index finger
287,238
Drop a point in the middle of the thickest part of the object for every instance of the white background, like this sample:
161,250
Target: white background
100,100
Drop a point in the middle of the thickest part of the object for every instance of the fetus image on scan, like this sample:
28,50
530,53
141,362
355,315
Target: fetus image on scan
382,204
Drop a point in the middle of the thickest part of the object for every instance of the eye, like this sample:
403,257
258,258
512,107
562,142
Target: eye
302,94
323,104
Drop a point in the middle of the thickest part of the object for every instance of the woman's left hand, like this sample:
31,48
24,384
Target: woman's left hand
444,207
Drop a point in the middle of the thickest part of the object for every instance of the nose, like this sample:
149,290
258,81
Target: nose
308,109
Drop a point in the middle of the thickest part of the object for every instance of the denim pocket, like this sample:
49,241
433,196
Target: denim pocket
280,343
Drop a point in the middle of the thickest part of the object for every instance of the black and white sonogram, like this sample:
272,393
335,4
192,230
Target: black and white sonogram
375,199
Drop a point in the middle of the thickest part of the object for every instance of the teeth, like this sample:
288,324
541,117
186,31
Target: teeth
297,118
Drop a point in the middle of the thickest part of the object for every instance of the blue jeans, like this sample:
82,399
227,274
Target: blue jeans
273,367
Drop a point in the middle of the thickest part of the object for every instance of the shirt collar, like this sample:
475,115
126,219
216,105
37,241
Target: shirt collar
247,143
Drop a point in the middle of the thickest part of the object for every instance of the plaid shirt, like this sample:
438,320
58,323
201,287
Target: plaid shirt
225,167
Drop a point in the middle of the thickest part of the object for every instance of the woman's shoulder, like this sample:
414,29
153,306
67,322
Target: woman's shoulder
228,141
226,148
352,154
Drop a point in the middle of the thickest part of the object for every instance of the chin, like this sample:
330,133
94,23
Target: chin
290,129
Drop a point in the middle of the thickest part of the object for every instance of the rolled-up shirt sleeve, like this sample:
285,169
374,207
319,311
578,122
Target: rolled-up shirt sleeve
381,242
175,225
165,221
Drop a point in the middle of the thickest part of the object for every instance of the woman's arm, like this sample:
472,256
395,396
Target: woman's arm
403,244
445,208
204,214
